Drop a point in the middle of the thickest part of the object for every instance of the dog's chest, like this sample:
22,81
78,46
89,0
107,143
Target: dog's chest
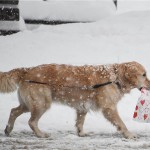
112,93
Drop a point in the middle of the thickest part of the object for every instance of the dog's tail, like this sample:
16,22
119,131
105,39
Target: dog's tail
10,80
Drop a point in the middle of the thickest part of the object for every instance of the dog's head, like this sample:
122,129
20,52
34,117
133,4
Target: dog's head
133,75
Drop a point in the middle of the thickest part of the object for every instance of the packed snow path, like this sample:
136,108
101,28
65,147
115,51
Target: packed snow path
68,140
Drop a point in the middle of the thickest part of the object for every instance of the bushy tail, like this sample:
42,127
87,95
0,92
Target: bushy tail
10,80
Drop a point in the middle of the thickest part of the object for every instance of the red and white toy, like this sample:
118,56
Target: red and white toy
142,109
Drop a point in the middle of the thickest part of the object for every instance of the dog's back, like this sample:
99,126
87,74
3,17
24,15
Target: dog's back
70,76
57,75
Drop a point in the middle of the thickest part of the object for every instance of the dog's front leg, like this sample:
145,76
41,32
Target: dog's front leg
80,122
112,115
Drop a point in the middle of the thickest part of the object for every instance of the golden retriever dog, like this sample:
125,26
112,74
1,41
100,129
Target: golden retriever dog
84,88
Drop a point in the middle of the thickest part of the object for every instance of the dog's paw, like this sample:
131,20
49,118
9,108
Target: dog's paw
7,130
42,135
130,135
82,134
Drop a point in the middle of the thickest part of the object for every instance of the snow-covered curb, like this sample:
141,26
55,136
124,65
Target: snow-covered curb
67,10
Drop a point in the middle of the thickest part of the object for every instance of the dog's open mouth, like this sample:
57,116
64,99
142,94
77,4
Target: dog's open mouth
144,88
141,88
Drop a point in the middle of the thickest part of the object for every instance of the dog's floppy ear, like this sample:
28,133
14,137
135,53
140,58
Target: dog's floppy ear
127,69
124,71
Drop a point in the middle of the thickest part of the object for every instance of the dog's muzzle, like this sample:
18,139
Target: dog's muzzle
147,88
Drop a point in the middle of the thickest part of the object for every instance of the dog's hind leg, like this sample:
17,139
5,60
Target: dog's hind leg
79,123
39,103
33,122
15,112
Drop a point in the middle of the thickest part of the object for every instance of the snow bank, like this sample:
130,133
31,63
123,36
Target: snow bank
129,23
123,33
133,5
72,10
13,25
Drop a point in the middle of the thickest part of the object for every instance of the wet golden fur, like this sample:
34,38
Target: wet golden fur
73,86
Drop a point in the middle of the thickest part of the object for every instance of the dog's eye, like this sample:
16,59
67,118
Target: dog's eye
144,75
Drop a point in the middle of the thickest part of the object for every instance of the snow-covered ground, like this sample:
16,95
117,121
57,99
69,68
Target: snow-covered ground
120,38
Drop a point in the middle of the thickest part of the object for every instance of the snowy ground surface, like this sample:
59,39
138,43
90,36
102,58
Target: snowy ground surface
117,39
